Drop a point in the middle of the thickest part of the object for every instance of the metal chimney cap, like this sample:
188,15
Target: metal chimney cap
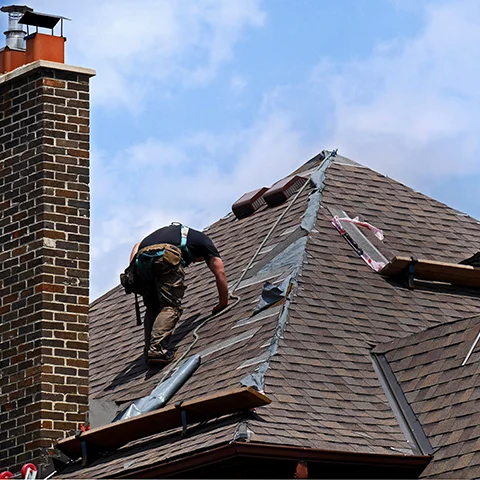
15,35
37,19
16,8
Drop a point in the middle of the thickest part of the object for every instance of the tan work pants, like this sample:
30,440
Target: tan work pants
163,297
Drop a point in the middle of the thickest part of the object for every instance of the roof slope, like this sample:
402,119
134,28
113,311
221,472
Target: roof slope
442,384
310,354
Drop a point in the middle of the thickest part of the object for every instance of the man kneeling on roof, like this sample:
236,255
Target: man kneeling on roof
160,259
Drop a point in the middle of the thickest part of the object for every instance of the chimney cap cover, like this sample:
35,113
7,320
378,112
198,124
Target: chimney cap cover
16,8
37,19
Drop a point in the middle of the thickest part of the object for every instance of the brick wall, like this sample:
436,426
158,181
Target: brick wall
44,259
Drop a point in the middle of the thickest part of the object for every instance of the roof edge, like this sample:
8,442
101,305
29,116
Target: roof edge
416,463
103,296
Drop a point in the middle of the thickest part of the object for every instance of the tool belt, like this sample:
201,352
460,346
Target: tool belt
170,254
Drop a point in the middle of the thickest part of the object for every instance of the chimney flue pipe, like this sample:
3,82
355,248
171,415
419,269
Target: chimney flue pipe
15,35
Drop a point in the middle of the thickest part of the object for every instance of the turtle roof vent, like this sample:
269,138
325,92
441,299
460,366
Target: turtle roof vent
249,203
283,189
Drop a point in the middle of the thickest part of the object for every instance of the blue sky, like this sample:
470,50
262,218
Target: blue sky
196,102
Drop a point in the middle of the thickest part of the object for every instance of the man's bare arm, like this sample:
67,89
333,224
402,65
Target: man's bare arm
134,251
215,264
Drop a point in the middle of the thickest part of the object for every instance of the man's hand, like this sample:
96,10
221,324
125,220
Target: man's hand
218,308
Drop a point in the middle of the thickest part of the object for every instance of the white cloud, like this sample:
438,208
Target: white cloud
189,183
411,109
154,153
137,47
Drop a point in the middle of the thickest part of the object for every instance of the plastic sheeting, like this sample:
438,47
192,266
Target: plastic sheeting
163,392
310,216
257,378
473,261
348,228
287,253
356,221
271,294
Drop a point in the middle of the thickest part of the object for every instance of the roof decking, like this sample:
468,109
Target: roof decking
314,350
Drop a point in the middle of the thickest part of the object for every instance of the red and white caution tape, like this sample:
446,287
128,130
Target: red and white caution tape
377,232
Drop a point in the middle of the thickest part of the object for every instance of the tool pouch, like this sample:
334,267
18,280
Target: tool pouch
172,255
130,280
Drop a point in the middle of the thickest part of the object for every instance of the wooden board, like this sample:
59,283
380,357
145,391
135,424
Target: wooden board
453,273
112,436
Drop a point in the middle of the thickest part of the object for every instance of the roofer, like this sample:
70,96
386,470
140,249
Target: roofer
160,259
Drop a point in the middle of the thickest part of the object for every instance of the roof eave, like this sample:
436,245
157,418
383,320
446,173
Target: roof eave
410,465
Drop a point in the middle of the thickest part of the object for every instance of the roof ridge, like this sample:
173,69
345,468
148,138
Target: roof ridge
438,203
317,178
391,345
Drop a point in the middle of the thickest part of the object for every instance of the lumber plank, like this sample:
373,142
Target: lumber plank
112,436
454,273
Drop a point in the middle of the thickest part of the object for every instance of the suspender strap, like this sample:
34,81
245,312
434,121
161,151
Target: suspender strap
187,257
183,243
137,311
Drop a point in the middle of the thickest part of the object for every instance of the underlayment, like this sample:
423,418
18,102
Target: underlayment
293,256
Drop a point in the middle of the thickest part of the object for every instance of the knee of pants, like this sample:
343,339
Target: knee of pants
174,311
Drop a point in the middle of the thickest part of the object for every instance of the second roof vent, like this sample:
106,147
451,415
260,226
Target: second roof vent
283,189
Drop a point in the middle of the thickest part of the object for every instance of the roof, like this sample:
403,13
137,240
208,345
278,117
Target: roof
311,353
439,372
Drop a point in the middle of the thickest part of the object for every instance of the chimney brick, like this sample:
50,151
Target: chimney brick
44,261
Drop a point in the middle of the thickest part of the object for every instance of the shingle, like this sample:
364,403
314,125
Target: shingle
324,389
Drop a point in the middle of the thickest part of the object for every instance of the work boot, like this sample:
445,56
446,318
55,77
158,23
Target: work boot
165,356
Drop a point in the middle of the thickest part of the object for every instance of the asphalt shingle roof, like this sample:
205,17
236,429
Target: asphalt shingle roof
314,349
443,392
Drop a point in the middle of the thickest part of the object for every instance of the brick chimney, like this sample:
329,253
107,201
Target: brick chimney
44,259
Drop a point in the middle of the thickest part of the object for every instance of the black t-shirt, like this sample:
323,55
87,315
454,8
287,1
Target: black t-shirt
198,244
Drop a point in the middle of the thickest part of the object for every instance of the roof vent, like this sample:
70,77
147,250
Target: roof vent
15,35
283,189
249,203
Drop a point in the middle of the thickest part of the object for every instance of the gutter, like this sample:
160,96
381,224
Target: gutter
269,452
